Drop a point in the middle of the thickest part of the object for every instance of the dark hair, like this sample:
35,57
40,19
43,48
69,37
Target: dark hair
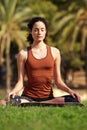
30,26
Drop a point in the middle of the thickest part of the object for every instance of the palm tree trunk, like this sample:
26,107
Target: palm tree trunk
83,42
83,51
2,46
8,67
0,55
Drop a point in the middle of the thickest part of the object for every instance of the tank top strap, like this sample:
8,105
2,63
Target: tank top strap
28,49
49,51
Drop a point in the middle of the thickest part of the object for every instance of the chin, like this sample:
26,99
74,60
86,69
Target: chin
39,40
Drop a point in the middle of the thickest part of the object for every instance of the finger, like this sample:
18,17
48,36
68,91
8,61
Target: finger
73,95
12,96
78,97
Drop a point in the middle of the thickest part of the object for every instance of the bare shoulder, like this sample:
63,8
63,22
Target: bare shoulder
55,52
22,54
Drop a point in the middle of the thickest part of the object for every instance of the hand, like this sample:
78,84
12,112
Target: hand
75,95
12,94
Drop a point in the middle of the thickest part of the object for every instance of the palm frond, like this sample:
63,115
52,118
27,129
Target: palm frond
11,8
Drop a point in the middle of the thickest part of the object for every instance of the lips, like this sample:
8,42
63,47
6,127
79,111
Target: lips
39,36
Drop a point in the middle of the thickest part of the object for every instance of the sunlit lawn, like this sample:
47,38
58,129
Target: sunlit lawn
43,118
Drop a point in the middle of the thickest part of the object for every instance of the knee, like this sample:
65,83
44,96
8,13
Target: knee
69,98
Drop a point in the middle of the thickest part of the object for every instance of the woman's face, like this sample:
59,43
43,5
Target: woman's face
39,31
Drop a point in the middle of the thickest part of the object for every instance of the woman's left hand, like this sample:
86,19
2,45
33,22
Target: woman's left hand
74,95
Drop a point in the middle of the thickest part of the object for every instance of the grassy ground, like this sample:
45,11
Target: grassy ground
43,118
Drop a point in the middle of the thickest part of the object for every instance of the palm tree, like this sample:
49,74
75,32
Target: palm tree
13,16
68,24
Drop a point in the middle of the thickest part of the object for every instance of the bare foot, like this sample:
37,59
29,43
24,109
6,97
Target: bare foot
3,102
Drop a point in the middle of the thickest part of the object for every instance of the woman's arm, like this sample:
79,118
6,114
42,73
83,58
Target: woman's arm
21,58
57,75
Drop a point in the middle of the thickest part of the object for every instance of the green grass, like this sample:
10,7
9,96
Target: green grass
43,118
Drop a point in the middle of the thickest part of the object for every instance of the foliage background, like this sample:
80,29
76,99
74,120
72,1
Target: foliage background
67,22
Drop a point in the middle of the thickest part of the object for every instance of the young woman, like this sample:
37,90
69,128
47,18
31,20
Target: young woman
41,63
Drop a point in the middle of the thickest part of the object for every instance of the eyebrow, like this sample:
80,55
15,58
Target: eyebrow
37,28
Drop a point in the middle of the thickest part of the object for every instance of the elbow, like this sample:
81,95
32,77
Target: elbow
58,83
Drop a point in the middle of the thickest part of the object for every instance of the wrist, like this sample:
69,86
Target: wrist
70,91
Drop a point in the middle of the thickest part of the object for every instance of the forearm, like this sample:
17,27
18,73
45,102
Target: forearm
18,87
61,85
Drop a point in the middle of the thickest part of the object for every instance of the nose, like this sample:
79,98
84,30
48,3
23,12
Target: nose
39,31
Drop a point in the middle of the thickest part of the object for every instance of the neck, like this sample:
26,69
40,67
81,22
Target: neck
38,45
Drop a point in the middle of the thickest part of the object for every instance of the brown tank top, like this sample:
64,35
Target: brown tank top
40,74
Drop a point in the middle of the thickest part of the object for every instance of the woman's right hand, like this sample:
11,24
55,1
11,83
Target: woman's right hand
12,94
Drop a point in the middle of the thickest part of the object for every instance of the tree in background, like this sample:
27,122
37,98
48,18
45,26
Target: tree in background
70,30
67,29
13,16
